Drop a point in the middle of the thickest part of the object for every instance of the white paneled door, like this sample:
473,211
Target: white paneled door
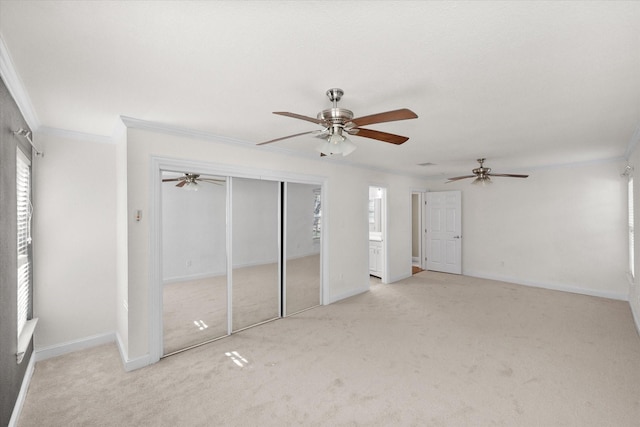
444,231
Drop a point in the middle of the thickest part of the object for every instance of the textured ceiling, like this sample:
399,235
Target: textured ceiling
525,84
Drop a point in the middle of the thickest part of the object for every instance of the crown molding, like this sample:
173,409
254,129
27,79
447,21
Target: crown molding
16,88
131,122
75,135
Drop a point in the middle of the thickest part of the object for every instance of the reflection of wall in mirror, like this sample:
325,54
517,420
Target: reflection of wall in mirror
193,231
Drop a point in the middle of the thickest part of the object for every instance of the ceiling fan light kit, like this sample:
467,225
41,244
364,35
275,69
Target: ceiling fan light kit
338,121
482,181
191,186
336,143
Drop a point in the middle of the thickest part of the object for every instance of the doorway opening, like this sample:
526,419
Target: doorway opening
377,232
417,232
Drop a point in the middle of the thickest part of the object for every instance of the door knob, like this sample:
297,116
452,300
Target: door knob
456,237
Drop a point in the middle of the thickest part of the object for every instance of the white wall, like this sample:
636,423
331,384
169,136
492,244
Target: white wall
561,228
193,231
74,240
194,226
255,223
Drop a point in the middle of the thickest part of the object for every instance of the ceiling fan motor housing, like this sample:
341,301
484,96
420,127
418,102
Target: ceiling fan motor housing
336,115
481,171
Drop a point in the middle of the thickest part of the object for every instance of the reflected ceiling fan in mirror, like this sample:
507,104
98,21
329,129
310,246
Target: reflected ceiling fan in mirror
338,122
483,175
189,181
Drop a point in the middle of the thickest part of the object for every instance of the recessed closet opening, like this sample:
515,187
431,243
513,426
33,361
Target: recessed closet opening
232,252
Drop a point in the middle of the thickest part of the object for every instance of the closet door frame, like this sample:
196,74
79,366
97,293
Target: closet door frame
158,164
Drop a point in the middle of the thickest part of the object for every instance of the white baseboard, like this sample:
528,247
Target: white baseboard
201,276
551,286
398,278
634,303
636,316
131,364
71,346
22,395
336,298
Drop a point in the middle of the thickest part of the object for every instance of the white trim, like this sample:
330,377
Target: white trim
16,88
400,277
22,395
551,286
131,364
636,316
229,248
201,276
154,292
281,266
324,244
25,337
75,345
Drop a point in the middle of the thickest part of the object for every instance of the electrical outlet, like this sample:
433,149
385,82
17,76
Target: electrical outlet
189,263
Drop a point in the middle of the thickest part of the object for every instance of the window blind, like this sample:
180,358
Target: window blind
23,187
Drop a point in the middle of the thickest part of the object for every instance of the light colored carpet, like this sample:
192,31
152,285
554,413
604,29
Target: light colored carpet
431,350
195,311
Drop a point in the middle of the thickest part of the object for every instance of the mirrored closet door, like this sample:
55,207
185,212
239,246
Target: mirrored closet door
255,230
194,262
303,225
236,252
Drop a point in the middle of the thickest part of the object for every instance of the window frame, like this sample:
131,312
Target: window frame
24,284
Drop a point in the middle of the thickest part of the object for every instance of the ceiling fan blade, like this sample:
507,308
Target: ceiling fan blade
181,184
211,180
456,178
380,136
172,179
509,175
300,116
389,116
286,137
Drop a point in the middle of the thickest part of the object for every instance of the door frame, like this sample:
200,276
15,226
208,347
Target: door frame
383,229
422,232
157,165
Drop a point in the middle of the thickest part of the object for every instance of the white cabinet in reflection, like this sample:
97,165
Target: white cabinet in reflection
375,258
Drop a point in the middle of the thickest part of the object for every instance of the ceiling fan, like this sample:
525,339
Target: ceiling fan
482,175
190,181
337,122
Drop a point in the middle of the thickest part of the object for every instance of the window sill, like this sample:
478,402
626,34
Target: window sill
25,338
